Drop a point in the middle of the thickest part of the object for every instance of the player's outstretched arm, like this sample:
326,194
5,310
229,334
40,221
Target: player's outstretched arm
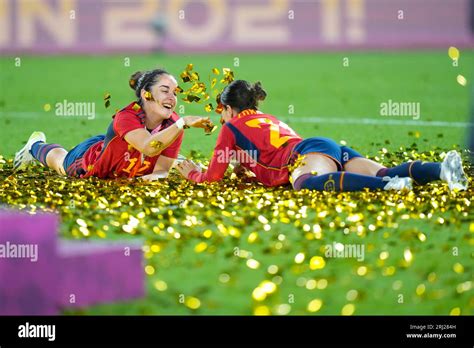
152,144
219,162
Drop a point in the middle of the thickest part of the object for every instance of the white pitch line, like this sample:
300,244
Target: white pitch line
315,120
384,122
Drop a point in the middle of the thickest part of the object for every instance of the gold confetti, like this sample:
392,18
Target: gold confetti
199,248
299,258
259,294
208,220
198,91
348,309
458,268
317,262
453,53
315,305
160,285
352,295
253,264
156,144
262,310
455,311
192,302
461,80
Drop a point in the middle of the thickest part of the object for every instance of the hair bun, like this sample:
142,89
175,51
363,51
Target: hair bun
258,92
134,79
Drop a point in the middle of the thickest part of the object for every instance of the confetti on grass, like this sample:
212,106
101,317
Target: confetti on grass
240,248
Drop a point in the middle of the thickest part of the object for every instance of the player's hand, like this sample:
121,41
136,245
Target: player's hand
200,122
196,121
240,171
162,174
186,167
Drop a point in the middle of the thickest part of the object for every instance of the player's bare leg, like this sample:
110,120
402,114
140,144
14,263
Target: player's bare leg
314,164
55,160
364,166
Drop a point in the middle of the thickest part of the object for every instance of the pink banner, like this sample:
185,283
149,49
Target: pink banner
100,26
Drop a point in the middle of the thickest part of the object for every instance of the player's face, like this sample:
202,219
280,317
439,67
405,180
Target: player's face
164,95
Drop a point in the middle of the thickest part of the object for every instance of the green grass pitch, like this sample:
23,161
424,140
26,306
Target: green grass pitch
200,273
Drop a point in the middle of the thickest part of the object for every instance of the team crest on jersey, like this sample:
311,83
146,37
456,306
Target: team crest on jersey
330,184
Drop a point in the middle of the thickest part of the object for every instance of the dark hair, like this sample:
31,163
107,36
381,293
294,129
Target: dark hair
241,95
145,80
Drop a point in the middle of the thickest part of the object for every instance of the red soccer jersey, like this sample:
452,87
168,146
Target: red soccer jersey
114,157
260,142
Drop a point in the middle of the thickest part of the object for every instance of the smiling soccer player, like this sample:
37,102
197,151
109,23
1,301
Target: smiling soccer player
271,151
143,140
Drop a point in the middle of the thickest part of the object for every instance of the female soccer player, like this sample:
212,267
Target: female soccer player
143,139
269,148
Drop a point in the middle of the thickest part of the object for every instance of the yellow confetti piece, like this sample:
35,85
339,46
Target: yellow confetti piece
299,258
384,255
317,262
283,309
453,53
458,268
192,302
261,310
155,248
136,107
362,271
315,305
252,237
156,144
352,295
272,269
268,286
420,289
199,248
461,80
455,311
407,255
224,278
149,270
348,309
160,285
311,284
259,294
322,284
253,264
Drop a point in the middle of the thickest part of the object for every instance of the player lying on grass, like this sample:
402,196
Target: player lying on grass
271,151
143,139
